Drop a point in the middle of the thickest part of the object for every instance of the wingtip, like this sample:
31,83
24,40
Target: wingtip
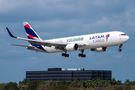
10,33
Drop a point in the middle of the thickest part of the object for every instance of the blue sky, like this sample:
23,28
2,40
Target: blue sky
62,18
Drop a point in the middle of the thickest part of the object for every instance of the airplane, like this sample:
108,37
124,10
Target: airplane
95,42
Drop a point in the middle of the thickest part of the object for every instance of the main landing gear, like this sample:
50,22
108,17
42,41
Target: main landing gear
81,54
65,54
120,48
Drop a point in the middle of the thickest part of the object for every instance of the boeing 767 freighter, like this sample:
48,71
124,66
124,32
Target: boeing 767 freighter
95,42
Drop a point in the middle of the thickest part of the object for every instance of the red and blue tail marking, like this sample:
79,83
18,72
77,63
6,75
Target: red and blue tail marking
31,34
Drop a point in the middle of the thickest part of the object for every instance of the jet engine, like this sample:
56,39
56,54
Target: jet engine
71,47
101,49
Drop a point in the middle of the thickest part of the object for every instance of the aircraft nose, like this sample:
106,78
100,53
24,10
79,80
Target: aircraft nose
124,39
127,38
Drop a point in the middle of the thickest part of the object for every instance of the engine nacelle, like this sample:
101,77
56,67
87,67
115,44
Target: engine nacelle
102,49
71,47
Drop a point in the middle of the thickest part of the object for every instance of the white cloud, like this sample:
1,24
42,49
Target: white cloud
8,6
130,24
102,22
119,56
32,58
32,61
129,13
105,22
13,51
1,60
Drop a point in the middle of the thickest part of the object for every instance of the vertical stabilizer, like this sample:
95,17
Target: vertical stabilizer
31,34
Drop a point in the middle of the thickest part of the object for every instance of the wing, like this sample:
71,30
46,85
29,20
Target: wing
41,42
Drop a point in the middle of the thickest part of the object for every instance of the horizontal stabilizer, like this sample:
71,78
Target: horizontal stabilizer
23,45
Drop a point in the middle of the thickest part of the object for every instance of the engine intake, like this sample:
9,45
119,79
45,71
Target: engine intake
71,47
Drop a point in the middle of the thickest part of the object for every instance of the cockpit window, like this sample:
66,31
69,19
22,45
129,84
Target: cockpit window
122,34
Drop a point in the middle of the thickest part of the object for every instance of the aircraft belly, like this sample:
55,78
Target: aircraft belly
95,44
52,49
84,47
36,49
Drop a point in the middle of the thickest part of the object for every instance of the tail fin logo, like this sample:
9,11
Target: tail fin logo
27,25
31,34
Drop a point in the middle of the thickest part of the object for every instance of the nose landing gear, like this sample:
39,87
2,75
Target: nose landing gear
120,48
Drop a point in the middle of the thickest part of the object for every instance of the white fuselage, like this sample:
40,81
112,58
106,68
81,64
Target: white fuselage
96,42
90,41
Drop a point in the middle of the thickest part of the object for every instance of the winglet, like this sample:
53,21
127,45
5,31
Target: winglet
10,33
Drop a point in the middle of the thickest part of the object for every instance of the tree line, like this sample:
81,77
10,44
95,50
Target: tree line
97,84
